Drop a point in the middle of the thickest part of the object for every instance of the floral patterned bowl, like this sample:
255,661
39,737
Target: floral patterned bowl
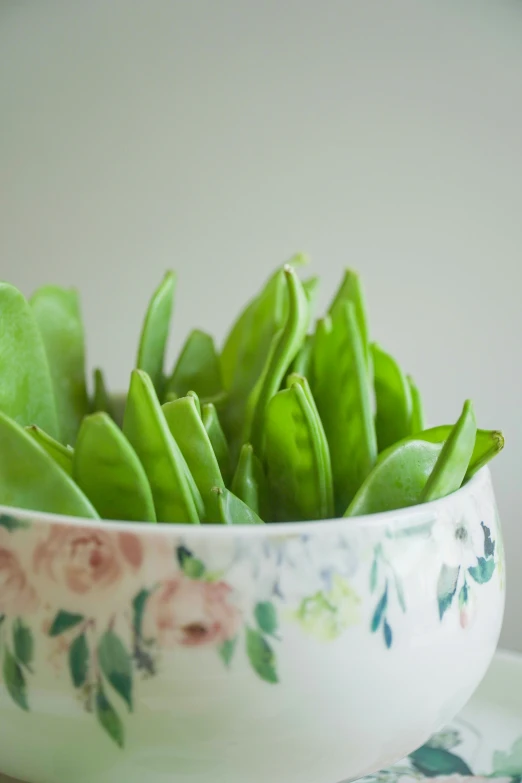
303,653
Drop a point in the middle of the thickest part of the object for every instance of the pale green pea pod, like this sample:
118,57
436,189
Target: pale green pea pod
62,455
187,428
31,479
283,353
101,401
218,440
145,427
57,313
417,410
297,457
488,443
26,391
194,396
453,462
197,368
351,290
155,332
232,510
393,420
343,396
249,482
109,472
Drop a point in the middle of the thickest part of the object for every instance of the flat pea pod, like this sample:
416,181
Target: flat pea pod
303,362
453,462
109,472
101,401
283,354
197,368
232,510
393,420
62,455
58,315
26,391
398,479
212,424
145,427
343,396
187,428
155,332
417,410
249,483
297,457
351,290
31,479
488,443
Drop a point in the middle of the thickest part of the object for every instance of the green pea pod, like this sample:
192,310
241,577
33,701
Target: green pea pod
62,455
398,479
58,315
280,358
102,401
297,457
146,429
109,472
155,332
187,428
197,368
303,364
343,396
351,290
453,462
31,479
218,440
417,410
232,510
249,482
393,420
26,391
194,396
247,347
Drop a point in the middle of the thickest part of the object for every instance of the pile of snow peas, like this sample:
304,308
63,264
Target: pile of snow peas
291,420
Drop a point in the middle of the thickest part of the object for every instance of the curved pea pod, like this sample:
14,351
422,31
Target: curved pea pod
197,367
249,483
155,332
297,457
453,462
283,353
218,440
26,391
109,472
102,402
31,479
187,428
303,362
351,290
417,410
62,455
145,427
58,315
398,479
232,510
393,420
343,396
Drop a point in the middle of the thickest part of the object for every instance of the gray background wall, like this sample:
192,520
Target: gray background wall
220,137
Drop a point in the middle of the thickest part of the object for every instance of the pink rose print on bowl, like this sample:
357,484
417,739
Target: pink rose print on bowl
17,596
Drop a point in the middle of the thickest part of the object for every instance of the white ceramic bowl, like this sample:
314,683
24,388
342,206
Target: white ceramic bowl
299,653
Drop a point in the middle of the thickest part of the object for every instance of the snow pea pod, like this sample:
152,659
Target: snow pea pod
297,457
187,428
31,479
283,354
249,482
393,420
26,390
232,510
453,462
58,315
155,332
62,455
197,368
350,290
102,401
417,410
343,396
145,427
218,440
303,362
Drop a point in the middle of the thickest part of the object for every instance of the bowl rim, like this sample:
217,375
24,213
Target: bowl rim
397,519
